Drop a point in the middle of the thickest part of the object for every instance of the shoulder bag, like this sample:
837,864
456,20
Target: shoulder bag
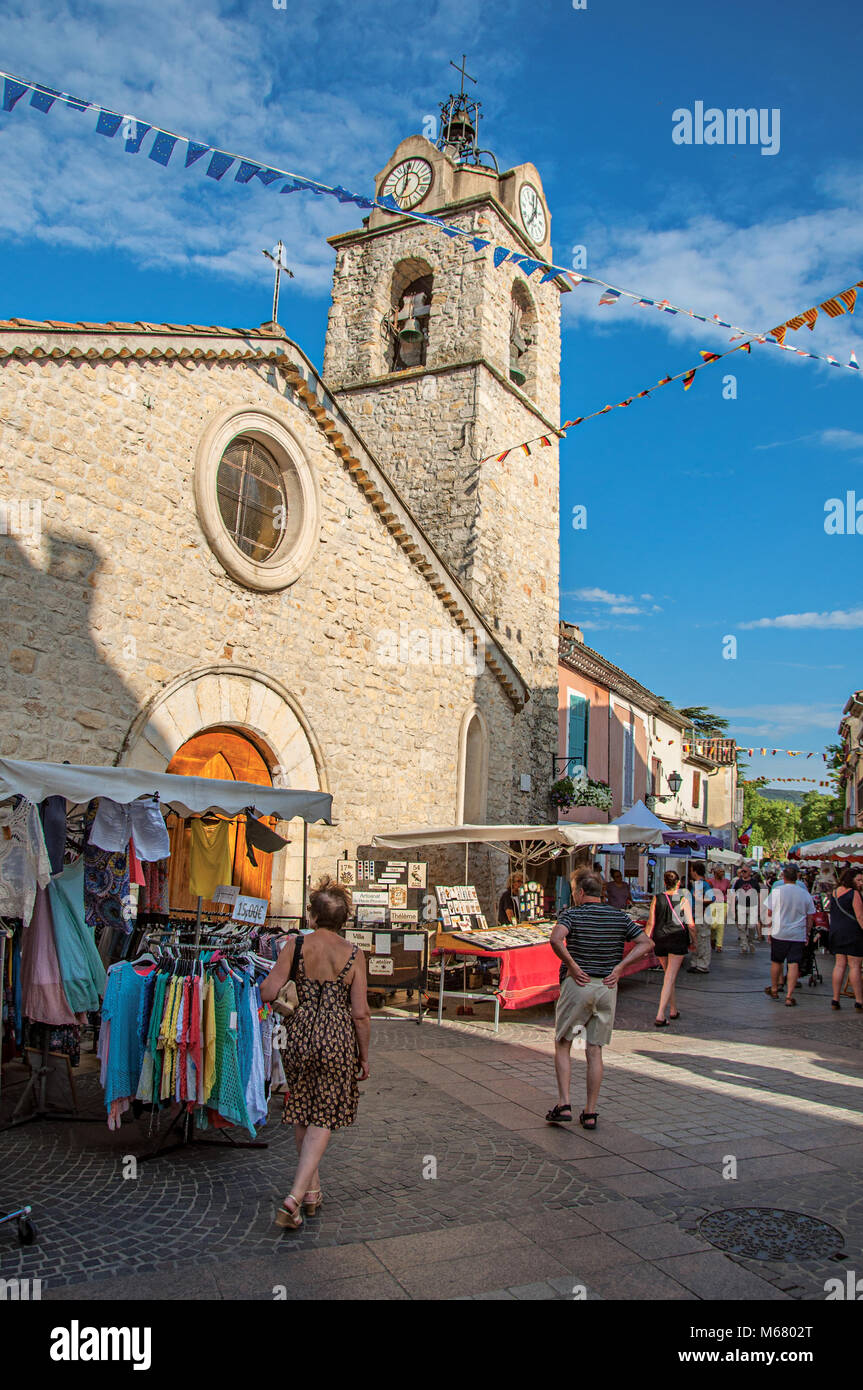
287,999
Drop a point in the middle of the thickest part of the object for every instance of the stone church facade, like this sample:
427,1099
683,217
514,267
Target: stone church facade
391,637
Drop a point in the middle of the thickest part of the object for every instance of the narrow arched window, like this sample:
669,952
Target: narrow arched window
410,327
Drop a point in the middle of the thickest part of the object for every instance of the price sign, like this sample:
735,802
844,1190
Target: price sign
225,894
381,965
252,910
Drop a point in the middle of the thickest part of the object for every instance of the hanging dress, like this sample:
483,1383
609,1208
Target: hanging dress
42,996
321,1055
81,968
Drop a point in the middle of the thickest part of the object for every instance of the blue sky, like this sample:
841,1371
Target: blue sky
713,508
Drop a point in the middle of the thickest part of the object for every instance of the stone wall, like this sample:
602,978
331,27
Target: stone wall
120,595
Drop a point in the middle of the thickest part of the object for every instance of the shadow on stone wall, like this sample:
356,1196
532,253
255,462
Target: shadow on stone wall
61,696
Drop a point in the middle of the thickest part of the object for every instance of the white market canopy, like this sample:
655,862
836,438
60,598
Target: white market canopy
725,856
532,842
843,847
188,796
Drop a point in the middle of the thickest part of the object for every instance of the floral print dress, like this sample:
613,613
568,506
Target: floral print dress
321,1055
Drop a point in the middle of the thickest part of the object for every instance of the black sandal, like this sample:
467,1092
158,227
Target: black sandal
672,1017
585,1118
834,1004
660,1023
556,1116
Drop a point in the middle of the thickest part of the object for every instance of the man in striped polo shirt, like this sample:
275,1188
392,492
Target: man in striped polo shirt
589,939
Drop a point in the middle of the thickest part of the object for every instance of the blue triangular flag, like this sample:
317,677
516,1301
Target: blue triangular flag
133,142
386,200
246,171
526,263
163,147
12,91
219,164
478,243
43,98
550,274
268,176
500,254
195,151
108,123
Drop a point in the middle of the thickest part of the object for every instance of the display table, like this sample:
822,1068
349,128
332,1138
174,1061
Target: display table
528,972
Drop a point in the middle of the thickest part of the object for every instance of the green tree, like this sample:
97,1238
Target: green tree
819,815
703,723
775,824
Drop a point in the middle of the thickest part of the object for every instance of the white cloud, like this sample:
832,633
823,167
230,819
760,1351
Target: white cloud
775,721
753,276
838,618
598,596
846,440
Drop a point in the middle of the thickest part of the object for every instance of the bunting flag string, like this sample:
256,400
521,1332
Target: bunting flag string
165,142
784,753
687,378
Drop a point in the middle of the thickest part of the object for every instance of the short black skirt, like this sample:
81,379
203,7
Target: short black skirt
672,943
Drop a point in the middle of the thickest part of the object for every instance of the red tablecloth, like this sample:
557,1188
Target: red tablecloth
529,974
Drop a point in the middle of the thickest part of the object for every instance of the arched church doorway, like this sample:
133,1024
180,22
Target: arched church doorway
232,756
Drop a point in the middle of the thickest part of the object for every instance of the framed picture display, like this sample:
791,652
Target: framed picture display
347,872
398,895
417,875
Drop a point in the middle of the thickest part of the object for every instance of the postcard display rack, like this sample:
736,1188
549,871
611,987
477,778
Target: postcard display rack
389,908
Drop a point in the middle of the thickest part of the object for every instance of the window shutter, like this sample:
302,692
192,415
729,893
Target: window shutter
579,714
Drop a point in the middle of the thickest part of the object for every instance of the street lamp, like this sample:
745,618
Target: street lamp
675,782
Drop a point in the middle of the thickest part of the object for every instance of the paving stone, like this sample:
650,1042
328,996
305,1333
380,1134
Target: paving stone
714,1276
618,1216
584,1255
479,1273
642,1282
661,1240
405,1252
639,1184
552,1225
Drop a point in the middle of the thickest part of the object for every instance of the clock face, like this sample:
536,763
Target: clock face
532,213
408,182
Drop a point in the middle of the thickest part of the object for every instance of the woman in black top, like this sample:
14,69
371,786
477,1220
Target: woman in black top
846,933
672,927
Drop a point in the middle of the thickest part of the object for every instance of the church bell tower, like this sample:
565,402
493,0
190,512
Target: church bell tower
445,355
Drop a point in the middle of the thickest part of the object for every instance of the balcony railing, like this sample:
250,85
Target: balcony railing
718,750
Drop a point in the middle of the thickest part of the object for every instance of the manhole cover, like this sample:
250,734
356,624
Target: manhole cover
768,1233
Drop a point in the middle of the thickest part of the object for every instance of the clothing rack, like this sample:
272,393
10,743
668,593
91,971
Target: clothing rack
183,1122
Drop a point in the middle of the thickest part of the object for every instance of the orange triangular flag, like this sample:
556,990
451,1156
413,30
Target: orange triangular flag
849,299
544,442
710,356
779,333
688,378
833,308
663,380
526,448
810,316
501,457
604,409
795,323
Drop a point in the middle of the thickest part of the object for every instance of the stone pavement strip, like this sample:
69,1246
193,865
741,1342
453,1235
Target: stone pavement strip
452,1186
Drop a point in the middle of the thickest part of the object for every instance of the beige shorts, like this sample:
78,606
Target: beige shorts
585,1011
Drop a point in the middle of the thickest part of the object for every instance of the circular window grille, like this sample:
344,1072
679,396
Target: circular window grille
253,501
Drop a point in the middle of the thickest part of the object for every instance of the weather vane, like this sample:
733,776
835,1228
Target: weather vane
277,256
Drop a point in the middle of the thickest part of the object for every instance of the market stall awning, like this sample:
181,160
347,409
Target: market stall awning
186,795
725,856
842,847
532,841
805,846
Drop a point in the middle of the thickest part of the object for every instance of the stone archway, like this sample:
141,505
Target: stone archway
253,704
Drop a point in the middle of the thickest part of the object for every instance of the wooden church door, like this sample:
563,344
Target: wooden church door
229,756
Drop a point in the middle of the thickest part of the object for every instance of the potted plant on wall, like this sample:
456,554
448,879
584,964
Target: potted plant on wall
581,791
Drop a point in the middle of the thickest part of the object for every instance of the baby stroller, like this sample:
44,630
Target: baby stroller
809,964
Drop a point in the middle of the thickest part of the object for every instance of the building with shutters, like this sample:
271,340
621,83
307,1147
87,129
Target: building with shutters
631,739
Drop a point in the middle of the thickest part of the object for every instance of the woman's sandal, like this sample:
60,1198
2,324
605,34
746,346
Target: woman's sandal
791,1002
660,1023
587,1119
312,1202
672,1017
834,1004
774,993
556,1116
287,1219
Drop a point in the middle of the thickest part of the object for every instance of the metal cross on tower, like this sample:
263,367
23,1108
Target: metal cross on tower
463,71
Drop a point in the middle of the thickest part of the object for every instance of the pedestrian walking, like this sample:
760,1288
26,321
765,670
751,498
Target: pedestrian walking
671,928
720,883
744,908
788,914
328,1034
702,911
589,939
846,934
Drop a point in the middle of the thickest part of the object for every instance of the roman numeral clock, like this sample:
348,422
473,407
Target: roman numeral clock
408,182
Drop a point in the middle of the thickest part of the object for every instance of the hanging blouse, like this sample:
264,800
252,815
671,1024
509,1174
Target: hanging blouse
24,862
210,858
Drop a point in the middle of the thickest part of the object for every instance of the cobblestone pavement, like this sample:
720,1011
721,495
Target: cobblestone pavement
742,1103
